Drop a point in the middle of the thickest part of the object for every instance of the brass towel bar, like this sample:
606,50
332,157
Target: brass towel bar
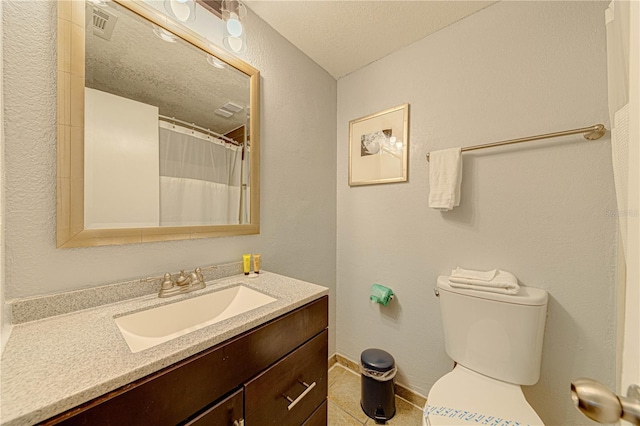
591,133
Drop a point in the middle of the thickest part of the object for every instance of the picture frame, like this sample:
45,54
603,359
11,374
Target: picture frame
379,147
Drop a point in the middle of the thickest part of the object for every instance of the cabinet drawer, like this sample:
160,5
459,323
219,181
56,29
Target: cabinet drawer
224,413
319,417
265,396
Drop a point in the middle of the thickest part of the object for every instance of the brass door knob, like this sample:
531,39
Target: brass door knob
597,402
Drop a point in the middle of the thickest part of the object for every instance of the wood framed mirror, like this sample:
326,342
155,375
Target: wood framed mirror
158,130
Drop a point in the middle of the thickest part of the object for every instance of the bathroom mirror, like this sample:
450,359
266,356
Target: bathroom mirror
158,130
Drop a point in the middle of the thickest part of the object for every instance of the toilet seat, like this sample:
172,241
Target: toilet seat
465,397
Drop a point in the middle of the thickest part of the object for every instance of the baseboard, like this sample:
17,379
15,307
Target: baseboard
400,390
332,360
346,362
409,395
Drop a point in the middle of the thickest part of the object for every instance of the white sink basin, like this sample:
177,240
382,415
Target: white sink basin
145,329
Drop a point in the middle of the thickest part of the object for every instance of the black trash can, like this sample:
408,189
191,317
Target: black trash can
377,369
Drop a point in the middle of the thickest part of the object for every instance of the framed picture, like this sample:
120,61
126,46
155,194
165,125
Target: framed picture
378,147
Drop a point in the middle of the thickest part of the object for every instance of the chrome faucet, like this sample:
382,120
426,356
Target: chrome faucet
182,284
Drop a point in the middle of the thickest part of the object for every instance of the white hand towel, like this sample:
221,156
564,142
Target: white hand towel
504,282
489,289
472,274
445,176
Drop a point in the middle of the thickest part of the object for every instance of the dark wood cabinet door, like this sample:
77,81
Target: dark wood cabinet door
319,417
290,391
228,412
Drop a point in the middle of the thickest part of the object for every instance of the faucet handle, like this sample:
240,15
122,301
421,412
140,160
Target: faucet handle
168,287
199,274
197,277
168,282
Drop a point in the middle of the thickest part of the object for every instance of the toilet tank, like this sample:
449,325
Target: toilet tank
494,334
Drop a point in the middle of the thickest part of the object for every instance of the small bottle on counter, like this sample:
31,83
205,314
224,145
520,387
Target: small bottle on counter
246,263
256,263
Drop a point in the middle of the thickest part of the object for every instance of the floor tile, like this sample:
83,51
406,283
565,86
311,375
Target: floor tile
345,393
406,415
344,403
337,417
334,374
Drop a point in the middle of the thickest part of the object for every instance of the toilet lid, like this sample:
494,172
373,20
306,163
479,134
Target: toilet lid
466,397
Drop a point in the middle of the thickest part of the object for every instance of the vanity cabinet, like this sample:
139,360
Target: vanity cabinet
273,374
225,412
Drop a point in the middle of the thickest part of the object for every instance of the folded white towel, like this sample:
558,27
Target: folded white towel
504,282
472,274
445,176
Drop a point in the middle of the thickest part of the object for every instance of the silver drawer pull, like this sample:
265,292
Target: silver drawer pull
238,422
302,395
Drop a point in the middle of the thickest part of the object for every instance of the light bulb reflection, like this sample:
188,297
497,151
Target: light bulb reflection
164,34
182,10
234,43
233,14
234,26
212,60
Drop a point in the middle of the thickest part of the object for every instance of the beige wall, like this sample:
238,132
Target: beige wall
298,171
541,211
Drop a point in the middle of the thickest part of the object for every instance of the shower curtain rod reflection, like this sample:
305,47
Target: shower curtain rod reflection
590,133
202,129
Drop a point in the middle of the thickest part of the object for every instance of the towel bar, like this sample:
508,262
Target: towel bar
590,133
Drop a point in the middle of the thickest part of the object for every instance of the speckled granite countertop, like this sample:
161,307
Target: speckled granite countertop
54,364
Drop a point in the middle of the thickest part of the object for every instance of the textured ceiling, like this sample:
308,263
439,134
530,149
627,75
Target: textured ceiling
343,36
175,77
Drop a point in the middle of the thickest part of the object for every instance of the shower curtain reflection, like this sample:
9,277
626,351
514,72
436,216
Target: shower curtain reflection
200,179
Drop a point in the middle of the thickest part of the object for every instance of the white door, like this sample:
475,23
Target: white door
629,289
631,344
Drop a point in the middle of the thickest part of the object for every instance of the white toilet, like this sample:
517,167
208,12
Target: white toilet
496,341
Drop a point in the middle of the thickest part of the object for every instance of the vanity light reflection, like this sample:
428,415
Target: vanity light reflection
163,34
182,10
233,14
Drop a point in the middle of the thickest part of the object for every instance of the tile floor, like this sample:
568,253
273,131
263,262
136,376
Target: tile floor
344,402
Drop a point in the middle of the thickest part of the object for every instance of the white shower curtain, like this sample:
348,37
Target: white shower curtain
617,18
246,189
200,179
